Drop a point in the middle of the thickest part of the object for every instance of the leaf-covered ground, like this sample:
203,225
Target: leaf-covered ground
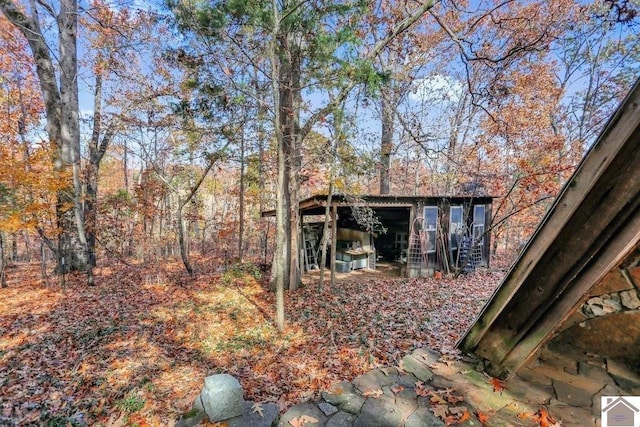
135,348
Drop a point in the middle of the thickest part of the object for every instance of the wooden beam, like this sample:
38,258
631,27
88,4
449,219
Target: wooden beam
602,214
615,251
596,202
334,243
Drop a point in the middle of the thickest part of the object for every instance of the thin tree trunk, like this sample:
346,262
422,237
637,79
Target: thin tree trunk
14,248
281,258
43,262
334,244
3,279
184,252
386,142
325,232
125,166
27,245
97,150
241,200
337,137
289,90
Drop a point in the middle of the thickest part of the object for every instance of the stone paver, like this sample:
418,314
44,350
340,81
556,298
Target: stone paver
409,397
416,367
428,391
425,391
341,419
423,417
251,418
380,412
304,409
376,379
327,408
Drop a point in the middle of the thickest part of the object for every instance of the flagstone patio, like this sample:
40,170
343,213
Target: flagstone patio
429,390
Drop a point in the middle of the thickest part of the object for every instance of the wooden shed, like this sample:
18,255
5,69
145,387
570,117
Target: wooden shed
423,233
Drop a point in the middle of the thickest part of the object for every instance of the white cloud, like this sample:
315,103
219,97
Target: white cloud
436,88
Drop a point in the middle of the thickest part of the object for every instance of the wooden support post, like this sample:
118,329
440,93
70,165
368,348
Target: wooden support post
334,243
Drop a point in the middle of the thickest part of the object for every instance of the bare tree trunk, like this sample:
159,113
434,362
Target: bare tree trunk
43,262
325,232
241,199
334,244
14,247
62,120
386,142
3,279
97,150
290,105
337,138
125,166
281,258
184,251
27,245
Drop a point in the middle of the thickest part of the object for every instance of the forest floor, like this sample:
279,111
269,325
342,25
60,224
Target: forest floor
135,348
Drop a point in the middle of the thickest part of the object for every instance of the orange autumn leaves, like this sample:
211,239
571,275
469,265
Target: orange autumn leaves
28,183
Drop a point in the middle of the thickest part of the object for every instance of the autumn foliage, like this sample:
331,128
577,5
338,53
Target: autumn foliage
136,347
175,150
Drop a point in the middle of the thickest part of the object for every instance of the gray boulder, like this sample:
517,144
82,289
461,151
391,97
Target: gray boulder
221,398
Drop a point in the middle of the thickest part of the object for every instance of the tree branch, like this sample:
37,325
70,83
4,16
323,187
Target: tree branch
377,48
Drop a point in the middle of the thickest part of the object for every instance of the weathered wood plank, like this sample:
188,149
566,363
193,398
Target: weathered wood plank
621,244
596,197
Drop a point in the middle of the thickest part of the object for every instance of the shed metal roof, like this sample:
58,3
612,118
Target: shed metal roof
316,204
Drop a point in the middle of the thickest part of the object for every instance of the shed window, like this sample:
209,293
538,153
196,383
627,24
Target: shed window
456,226
430,227
478,223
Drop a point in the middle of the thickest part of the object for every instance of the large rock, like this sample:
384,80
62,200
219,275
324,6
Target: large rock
426,356
614,281
571,394
339,393
630,299
221,398
344,395
613,336
627,378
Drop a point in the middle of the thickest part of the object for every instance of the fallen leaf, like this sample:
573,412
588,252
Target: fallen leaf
373,393
257,407
464,417
421,390
397,388
302,420
452,398
498,385
482,417
545,419
440,411
436,398
450,420
457,410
